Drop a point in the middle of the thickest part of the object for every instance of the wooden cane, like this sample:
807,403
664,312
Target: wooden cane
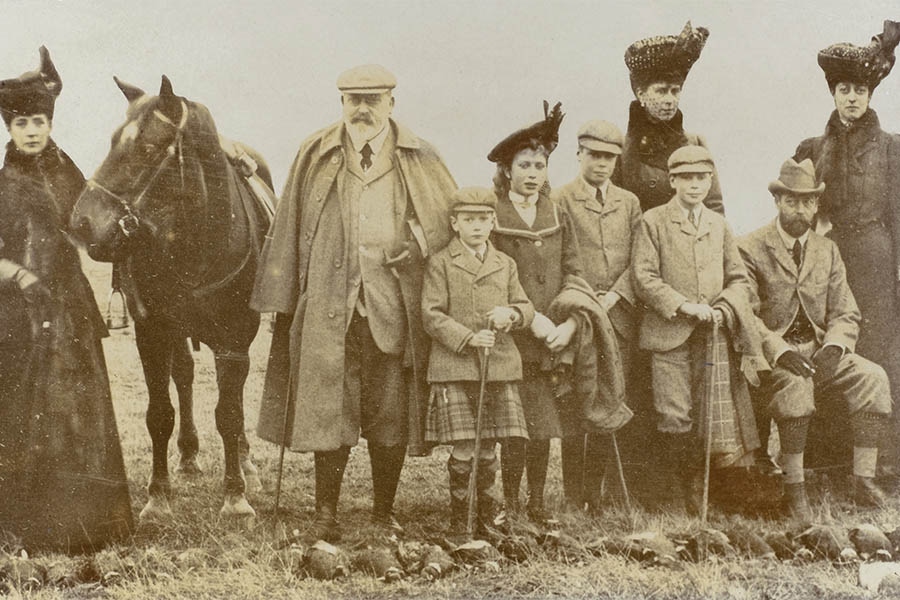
707,451
485,356
284,430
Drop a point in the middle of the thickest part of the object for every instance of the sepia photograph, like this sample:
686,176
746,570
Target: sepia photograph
472,299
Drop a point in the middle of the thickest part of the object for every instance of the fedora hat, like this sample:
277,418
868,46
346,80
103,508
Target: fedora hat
797,178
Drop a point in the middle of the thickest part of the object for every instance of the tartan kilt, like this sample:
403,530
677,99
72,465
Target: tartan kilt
452,408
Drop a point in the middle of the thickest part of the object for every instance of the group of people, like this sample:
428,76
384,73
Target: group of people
406,307
619,303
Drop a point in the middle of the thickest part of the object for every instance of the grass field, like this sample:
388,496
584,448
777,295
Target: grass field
197,556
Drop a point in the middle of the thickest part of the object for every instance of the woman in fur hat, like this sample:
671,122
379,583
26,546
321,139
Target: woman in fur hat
658,67
62,476
540,237
860,166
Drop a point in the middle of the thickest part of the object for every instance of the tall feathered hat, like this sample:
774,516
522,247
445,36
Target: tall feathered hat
31,93
861,64
665,57
546,132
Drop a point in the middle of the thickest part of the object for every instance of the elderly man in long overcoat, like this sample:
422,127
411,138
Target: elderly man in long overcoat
365,202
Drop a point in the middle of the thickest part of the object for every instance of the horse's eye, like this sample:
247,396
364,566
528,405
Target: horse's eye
149,148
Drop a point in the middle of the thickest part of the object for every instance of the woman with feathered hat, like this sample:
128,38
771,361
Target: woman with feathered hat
658,67
62,476
860,166
540,237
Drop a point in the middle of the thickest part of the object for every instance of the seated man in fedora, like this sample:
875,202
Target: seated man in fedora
809,323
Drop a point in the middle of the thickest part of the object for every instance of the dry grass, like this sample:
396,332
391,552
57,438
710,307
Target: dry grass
197,556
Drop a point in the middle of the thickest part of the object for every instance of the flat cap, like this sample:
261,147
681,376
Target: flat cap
473,199
690,159
601,136
366,79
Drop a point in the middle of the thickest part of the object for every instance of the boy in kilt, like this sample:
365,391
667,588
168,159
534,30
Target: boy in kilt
471,299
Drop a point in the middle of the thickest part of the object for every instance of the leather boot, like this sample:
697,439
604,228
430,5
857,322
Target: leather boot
866,493
512,466
598,453
671,498
459,471
387,462
490,513
572,450
329,475
537,458
692,468
796,502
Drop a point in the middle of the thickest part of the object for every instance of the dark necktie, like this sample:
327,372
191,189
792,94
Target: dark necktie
797,253
366,160
600,196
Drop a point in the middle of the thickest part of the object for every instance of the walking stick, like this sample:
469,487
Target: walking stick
284,429
707,450
484,357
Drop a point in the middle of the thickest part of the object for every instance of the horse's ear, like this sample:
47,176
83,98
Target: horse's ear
131,92
165,88
169,103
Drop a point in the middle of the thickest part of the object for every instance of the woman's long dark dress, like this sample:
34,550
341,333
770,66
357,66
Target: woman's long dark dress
860,165
62,476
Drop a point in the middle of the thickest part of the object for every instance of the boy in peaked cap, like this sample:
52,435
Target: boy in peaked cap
688,271
605,218
471,299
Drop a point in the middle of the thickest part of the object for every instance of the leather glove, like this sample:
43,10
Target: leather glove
826,359
796,363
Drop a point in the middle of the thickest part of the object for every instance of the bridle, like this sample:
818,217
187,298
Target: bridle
130,223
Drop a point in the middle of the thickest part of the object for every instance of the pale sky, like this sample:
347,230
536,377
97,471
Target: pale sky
469,72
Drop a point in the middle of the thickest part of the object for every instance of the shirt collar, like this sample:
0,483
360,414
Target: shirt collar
697,210
787,238
519,200
604,188
375,143
474,251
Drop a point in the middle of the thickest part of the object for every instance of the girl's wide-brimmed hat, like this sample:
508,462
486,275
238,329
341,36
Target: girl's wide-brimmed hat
546,132
665,57
797,178
31,93
861,64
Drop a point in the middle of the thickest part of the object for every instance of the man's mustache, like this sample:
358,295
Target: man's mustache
362,118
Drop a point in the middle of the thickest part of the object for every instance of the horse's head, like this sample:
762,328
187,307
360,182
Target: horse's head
141,186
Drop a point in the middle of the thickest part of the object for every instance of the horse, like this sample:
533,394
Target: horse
180,207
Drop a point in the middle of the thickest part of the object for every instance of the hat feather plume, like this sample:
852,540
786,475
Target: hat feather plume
552,120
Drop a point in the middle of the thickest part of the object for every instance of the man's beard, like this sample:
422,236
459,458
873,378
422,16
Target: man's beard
364,126
795,227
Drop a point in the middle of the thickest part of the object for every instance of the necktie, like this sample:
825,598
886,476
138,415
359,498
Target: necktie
479,255
797,253
600,196
366,160
692,217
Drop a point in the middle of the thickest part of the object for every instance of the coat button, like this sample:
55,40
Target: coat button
337,264
652,183
335,159
330,314
542,278
702,298
319,197
538,243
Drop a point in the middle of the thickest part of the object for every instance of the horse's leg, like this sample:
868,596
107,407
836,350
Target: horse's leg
251,473
154,344
183,376
231,373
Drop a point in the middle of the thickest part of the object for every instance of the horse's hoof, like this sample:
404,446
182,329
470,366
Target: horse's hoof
189,467
157,510
251,476
236,507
